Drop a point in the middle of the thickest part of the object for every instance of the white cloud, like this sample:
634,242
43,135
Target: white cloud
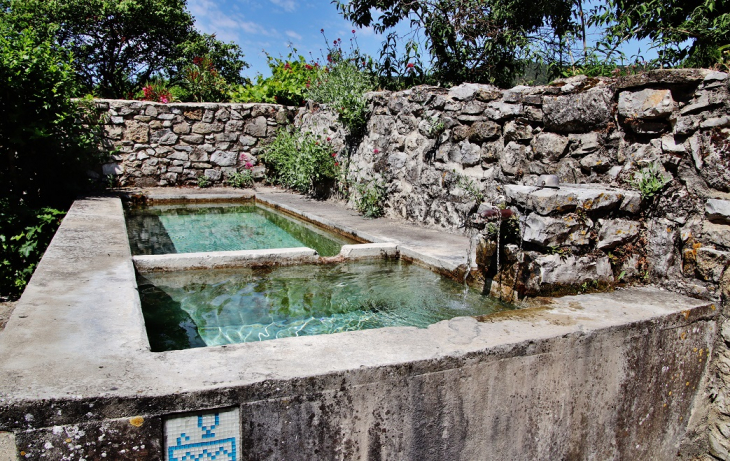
287,5
227,26
292,34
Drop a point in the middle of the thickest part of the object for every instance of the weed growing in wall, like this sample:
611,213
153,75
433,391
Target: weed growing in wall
649,181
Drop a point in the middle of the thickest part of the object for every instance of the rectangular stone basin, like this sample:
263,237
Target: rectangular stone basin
600,376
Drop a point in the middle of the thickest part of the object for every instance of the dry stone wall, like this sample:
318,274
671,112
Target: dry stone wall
156,144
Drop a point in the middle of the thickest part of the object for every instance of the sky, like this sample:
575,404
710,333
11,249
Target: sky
279,26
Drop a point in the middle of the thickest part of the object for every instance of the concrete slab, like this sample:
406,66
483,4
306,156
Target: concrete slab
586,374
224,259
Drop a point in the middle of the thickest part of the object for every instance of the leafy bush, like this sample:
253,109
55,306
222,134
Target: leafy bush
300,161
157,91
203,81
649,181
287,85
24,236
371,197
342,85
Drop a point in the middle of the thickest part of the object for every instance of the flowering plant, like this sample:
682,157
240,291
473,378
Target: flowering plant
156,91
204,82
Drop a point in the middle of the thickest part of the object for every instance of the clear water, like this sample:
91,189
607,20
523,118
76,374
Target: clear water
202,228
209,308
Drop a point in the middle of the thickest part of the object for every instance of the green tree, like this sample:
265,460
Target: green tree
46,147
685,32
469,40
119,45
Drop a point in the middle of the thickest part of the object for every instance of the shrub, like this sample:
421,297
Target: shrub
342,85
242,179
371,197
24,236
204,181
300,161
156,91
287,85
203,82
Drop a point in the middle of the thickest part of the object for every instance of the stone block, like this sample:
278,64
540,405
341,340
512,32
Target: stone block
711,263
555,271
207,128
555,231
136,131
226,137
464,92
549,147
515,130
212,174
718,211
193,139
567,198
584,143
646,104
181,128
168,139
223,158
256,127
179,155
578,112
513,159
615,232
498,110
717,234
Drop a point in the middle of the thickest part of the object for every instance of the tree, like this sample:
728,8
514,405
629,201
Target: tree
46,148
118,45
469,40
685,32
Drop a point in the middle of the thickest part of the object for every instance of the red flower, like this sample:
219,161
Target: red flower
410,65
334,154
337,164
248,165
329,139
375,151
321,30
353,31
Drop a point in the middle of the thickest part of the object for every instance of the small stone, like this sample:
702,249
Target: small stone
212,174
223,158
549,147
181,128
716,122
711,263
515,130
256,127
615,232
646,104
717,234
483,131
555,231
718,211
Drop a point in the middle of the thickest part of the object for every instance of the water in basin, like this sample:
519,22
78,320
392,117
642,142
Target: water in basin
202,228
209,308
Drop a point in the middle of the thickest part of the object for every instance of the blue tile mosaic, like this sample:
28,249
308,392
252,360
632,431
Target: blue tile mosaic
212,435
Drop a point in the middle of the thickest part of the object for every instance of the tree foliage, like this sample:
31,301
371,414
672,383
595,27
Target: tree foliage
685,32
46,148
469,40
119,45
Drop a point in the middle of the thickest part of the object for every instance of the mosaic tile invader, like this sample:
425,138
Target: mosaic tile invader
213,435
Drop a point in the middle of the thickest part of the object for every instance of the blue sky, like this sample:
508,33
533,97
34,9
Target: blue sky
279,25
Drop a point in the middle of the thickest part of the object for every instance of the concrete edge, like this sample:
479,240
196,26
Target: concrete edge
370,251
433,263
347,231
224,259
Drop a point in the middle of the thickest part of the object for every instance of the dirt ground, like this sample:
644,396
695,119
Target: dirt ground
6,308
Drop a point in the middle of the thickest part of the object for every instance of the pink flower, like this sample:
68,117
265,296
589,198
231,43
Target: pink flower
337,164
248,165
329,139
353,31
163,99
375,151
410,65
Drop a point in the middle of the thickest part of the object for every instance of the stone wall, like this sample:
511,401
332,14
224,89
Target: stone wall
155,144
